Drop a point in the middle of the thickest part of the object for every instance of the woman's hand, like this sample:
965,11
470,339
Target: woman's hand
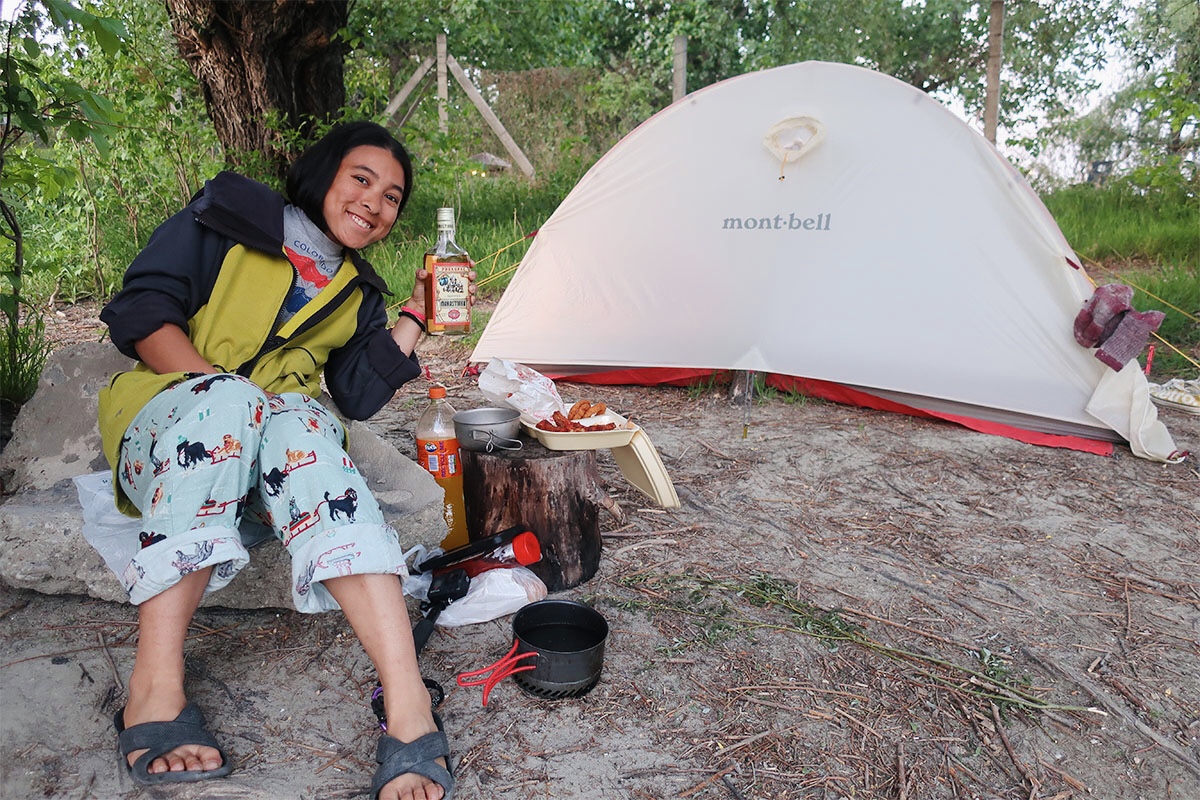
168,349
407,330
417,300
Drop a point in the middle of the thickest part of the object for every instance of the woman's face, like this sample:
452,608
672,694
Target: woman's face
364,198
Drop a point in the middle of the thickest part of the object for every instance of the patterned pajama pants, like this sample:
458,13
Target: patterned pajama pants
207,452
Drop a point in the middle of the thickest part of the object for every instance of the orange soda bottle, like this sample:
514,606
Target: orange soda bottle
437,452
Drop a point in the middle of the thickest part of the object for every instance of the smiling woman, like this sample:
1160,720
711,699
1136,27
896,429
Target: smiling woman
239,310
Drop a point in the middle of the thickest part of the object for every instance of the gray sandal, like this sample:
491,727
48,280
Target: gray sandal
420,756
160,738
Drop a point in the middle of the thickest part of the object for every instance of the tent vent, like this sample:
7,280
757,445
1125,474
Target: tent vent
791,138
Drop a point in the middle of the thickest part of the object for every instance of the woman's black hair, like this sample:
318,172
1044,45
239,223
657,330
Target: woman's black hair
311,175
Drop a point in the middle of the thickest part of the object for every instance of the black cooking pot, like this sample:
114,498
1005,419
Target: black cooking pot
557,652
568,638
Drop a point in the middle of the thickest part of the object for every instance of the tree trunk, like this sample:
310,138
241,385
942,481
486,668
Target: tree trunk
554,493
991,108
260,63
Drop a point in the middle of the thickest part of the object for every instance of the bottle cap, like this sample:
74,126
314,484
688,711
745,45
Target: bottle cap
437,392
526,548
445,218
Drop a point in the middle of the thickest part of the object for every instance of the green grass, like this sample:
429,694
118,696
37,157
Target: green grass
23,353
1174,290
1121,224
496,216
1151,242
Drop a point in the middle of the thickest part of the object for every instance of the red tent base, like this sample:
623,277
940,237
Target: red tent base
837,393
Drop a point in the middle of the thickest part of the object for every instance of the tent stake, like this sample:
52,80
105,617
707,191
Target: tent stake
741,391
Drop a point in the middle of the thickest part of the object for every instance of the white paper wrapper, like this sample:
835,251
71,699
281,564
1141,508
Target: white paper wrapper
507,383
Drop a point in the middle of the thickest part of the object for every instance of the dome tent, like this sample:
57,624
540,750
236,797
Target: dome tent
840,231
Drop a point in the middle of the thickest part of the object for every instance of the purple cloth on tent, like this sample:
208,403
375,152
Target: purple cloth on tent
1102,314
1131,335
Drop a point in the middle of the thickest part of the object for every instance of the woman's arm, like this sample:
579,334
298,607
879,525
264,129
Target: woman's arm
168,349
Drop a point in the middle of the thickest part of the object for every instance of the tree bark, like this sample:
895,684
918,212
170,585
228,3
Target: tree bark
991,108
554,493
263,64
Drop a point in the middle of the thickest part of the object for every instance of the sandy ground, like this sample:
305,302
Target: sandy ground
849,604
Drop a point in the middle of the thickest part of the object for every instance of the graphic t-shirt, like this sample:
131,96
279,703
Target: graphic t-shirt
316,257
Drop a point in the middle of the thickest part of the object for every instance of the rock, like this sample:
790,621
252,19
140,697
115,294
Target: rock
56,438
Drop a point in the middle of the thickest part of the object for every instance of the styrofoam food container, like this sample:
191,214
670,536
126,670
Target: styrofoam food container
584,440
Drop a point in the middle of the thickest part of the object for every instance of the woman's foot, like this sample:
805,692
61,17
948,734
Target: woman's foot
411,785
165,706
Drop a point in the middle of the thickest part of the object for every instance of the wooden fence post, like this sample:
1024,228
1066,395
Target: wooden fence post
490,117
406,90
446,63
443,86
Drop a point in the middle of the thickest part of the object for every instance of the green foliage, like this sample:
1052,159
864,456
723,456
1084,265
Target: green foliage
42,106
1149,240
1149,129
1125,222
507,35
1176,292
936,45
155,156
23,351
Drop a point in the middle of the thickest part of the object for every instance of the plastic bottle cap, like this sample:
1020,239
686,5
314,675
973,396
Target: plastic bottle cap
526,548
437,392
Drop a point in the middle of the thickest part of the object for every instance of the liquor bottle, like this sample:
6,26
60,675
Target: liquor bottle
447,287
437,452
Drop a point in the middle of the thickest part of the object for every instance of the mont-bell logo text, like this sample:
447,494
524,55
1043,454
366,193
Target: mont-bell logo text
778,223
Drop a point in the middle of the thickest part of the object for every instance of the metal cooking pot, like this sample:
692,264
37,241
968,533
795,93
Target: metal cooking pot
488,428
557,652
568,638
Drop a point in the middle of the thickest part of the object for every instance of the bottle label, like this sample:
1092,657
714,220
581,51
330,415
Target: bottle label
440,457
451,294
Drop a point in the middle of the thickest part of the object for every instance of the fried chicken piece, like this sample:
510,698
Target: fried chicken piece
579,410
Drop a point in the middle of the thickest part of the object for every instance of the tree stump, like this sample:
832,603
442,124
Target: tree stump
554,493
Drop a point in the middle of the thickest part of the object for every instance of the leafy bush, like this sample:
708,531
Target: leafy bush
23,352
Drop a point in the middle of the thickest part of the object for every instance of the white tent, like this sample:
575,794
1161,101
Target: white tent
825,222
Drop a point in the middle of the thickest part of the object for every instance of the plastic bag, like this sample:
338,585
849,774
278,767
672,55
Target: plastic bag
507,383
492,595
111,533
416,584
